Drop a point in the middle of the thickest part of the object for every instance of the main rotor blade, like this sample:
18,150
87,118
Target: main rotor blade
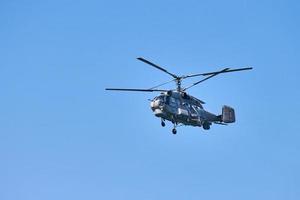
214,74
211,73
162,84
135,90
157,67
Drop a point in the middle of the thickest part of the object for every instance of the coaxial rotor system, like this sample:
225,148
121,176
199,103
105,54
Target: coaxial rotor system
178,79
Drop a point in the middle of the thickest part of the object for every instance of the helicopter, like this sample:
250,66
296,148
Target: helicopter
180,108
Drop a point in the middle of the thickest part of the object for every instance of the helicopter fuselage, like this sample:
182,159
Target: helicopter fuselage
181,108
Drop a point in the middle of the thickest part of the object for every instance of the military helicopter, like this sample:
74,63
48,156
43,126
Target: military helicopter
180,108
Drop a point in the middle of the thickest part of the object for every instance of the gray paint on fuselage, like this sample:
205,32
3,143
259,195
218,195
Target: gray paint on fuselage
181,108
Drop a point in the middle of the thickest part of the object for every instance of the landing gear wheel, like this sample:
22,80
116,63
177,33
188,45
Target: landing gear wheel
174,131
206,126
163,124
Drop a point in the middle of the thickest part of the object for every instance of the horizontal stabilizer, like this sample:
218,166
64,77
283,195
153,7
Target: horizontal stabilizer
221,123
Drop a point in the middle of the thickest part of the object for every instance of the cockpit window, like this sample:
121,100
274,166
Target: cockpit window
193,109
161,98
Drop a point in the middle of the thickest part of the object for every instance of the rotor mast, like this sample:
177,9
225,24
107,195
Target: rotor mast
178,83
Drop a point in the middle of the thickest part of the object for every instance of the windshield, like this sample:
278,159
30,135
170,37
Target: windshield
160,98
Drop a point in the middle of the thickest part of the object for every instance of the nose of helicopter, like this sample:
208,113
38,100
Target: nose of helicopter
156,107
155,104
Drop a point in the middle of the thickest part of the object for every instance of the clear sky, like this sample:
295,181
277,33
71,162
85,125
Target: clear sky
63,137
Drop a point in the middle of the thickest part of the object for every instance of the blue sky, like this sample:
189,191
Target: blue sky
63,137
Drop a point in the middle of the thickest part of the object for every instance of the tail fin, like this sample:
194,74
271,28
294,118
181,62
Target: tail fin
228,115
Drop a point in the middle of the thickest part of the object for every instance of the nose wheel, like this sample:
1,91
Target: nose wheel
174,131
163,124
